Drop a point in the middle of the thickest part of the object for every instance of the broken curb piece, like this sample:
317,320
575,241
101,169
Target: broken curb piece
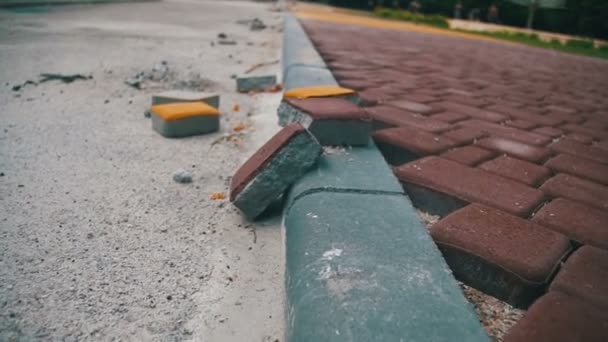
184,119
273,168
174,96
333,121
255,83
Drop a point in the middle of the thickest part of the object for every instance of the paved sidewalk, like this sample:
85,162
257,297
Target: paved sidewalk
507,144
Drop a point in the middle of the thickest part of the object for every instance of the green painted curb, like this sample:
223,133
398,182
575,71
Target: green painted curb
361,267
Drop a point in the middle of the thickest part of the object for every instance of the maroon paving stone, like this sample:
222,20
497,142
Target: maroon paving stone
581,223
403,144
357,84
388,116
419,97
521,124
468,155
602,145
554,108
518,170
580,138
596,123
515,148
467,184
585,275
414,107
507,132
464,135
459,92
373,96
581,167
596,133
332,121
580,150
473,112
500,254
549,131
450,117
324,108
467,100
524,114
577,189
558,317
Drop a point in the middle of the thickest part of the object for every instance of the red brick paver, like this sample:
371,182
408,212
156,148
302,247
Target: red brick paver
501,254
519,131
585,275
558,317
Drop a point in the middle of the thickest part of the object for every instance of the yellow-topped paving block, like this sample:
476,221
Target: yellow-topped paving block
183,110
317,91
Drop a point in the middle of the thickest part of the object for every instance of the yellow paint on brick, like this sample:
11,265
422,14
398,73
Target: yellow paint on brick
339,16
183,110
317,91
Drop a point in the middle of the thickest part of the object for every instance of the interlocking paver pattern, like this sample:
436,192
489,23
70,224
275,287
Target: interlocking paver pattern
475,126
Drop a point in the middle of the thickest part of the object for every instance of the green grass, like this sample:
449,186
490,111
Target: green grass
431,20
575,46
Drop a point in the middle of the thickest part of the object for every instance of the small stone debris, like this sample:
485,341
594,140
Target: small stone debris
222,35
69,78
157,74
45,77
255,83
19,86
218,196
182,176
147,113
257,25
226,42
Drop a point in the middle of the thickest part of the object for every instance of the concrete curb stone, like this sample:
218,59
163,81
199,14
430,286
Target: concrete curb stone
360,265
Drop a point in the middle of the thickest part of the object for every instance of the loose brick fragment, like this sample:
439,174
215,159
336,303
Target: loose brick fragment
518,170
184,119
500,254
403,144
333,121
468,185
580,150
581,223
584,275
511,133
273,168
515,148
255,83
577,189
558,317
581,167
387,116
469,155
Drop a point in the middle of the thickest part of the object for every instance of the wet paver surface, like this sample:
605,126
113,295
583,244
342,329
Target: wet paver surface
509,146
